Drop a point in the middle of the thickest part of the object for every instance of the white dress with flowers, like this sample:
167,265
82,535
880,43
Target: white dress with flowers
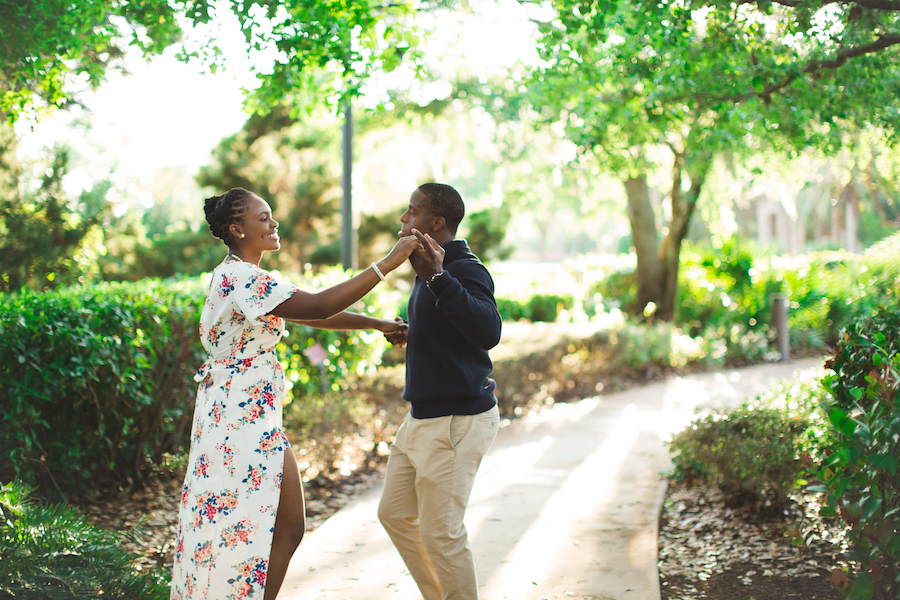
233,482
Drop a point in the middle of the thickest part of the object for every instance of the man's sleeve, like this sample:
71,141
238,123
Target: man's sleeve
467,298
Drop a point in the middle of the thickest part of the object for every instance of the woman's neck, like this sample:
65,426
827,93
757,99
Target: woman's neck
245,256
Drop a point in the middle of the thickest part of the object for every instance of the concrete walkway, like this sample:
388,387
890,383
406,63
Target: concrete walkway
565,505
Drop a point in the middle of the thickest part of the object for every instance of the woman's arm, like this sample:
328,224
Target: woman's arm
394,330
318,306
348,321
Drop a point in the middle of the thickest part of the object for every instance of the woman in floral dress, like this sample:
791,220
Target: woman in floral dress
242,513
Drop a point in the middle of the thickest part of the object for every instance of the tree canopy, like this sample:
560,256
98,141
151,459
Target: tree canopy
50,49
627,77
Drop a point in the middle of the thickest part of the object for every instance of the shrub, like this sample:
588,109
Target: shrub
52,552
96,382
751,452
858,468
535,307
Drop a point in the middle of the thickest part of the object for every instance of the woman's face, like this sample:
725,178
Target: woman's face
259,228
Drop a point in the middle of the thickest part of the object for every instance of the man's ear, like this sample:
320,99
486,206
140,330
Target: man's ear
438,224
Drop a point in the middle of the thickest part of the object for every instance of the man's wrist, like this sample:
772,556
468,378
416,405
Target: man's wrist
434,277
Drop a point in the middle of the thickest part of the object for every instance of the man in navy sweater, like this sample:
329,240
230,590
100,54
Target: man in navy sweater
453,418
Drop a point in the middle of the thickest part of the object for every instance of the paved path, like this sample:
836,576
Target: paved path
565,505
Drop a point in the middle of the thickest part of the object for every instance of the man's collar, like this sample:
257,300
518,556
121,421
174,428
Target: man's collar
455,248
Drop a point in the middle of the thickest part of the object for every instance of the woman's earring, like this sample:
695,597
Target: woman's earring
242,235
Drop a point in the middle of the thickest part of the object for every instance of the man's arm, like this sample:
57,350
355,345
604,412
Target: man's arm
467,298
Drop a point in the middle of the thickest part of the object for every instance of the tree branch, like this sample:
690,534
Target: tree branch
841,57
889,5
878,4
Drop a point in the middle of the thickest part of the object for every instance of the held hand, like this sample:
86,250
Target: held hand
429,259
396,331
404,247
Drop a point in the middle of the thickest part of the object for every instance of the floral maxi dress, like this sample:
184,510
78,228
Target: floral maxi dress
233,483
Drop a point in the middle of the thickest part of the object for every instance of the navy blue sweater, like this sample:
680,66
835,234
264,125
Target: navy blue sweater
452,325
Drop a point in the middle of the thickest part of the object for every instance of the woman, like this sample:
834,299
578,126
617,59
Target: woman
242,512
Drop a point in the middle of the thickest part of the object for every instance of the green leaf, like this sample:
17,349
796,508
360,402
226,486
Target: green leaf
884,462
870,505
837,417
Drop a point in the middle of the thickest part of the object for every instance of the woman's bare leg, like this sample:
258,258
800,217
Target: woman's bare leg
290,525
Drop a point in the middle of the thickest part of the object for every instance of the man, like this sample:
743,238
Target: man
453,418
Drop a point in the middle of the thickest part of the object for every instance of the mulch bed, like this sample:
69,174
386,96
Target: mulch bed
709,551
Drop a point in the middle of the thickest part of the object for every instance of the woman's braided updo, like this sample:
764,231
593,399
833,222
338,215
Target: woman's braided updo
225,210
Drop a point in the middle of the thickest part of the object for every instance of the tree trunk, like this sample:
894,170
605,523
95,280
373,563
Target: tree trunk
643,233
657,264
683,205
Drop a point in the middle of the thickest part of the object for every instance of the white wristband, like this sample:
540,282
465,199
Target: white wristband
378,271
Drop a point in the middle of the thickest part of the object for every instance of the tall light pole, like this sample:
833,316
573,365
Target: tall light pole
349,258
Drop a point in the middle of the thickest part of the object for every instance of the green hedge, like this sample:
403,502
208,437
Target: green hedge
96,382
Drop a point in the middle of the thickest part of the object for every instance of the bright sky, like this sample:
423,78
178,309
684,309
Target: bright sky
167,113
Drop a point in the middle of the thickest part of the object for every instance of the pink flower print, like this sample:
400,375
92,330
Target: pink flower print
252,411
263,391
272,325
203,555
179,548
185,494
207,506
271,442
241,532
229,451
210,504
215,334
254,478
190,583
242,365
236,319
241,589
261,287
228,501
215,413
276,484
197,434
226,286
251,575
240,343
202,467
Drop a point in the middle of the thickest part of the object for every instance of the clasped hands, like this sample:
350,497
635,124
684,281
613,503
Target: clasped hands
427,260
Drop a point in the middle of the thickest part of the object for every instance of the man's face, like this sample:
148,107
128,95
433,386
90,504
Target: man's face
416,216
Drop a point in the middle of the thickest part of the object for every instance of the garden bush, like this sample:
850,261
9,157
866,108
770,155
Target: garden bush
51,552
858,468
96,382
752,452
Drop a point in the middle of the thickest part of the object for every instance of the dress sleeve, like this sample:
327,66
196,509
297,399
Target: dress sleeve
256,291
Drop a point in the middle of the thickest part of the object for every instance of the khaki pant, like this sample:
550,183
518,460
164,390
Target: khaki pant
430,473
